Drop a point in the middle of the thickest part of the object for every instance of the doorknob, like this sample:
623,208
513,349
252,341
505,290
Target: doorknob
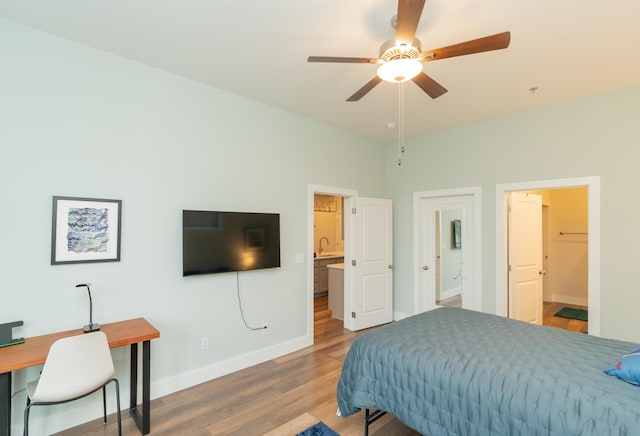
542,272
390,266
426,267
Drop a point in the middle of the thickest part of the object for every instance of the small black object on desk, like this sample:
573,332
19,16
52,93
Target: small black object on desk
6,334
91,327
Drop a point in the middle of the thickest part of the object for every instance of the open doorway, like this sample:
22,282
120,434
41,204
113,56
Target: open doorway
569,267
328,255
368,259
447,252
330,199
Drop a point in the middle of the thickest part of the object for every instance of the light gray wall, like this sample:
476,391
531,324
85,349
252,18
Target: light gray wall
596,136
79,122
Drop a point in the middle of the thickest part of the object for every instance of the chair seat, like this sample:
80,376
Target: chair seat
76,366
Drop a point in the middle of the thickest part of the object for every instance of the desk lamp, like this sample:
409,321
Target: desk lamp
91,327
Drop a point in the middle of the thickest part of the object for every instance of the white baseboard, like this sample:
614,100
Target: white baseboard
450,293
397,316
194,377
52,423
569,299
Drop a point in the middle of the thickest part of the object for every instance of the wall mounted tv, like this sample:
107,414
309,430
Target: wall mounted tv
217,242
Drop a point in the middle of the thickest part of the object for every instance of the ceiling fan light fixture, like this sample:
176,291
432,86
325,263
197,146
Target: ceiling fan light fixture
399,70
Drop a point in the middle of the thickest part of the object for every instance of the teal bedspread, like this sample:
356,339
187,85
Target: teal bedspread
461,372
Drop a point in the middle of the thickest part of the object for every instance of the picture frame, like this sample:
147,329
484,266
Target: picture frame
85,230
456,233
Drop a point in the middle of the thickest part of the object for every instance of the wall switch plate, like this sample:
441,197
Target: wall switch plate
204,344
299,257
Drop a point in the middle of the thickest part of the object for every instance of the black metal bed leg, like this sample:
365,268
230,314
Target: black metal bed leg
366,422
370,418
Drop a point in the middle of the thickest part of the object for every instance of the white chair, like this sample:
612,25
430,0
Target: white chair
75,367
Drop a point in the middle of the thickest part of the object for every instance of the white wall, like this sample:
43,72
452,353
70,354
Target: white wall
79,122
595,136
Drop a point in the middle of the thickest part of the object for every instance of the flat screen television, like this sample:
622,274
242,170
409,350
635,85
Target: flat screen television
217,242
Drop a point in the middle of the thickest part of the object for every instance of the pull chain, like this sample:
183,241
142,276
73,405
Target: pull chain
400,122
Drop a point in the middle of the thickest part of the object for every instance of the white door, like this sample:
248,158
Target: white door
525,257
431,209
373,259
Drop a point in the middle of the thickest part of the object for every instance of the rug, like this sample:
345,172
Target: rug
571,313
319,429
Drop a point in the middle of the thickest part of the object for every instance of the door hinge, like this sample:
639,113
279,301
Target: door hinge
353,262
509,208
353,211
353,315
508,268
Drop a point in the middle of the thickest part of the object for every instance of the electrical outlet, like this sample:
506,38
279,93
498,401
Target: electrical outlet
265,327
204,344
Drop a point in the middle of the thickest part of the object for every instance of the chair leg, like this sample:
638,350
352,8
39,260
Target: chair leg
25,432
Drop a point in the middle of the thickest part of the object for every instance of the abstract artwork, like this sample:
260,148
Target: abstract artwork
85,230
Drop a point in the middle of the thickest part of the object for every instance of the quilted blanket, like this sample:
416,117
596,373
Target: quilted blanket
460,372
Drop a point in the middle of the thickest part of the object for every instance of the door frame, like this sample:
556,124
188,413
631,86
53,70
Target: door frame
476,193
349,196
592,183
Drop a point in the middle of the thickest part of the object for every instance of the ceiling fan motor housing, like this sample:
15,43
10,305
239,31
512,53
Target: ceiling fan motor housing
391,50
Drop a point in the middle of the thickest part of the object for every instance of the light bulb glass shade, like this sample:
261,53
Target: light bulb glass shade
399,70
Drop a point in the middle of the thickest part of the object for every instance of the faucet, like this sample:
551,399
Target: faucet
320,248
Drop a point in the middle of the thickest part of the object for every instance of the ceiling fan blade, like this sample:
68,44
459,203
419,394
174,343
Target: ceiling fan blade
428,85
365,89
343,60
488,43
409,12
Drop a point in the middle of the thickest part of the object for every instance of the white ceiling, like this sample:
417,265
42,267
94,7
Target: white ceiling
259,49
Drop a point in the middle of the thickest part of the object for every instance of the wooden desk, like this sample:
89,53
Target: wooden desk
34,352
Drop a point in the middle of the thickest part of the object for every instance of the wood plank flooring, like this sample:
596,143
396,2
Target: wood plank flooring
279,397
574,325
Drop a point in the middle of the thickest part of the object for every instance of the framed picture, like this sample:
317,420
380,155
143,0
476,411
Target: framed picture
456,233
85,230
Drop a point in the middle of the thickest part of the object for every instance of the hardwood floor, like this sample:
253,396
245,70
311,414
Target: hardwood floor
279,397
574,325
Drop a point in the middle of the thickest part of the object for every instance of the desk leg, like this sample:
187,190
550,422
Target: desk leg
143,418
5,404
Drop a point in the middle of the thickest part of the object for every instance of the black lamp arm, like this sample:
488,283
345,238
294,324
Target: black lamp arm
90,326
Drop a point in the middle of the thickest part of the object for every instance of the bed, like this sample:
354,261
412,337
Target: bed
460,372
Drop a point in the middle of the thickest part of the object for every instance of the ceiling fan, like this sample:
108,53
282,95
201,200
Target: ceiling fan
401,58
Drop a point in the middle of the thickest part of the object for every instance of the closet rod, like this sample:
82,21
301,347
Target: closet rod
573,233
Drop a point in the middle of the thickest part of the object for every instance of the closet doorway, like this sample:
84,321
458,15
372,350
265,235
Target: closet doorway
570,259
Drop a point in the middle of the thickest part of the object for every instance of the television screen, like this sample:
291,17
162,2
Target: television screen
216,242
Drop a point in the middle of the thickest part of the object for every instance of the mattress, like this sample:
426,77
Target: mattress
460,372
